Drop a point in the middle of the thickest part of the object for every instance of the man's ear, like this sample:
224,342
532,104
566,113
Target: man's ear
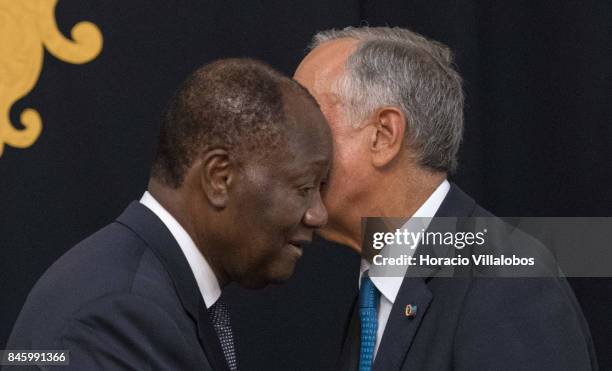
216,176
387,138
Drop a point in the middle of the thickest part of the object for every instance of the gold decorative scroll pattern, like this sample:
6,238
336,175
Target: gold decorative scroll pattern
27,27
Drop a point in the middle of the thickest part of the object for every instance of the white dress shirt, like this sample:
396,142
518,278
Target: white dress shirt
389,285
203,273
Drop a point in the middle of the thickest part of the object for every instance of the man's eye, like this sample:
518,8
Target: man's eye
304,191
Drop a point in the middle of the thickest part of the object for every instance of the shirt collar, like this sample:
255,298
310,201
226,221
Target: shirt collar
389,286
203,273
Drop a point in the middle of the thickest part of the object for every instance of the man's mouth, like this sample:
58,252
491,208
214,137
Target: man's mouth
298,246
299,243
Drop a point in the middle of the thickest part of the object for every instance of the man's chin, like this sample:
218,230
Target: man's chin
283,276
273,278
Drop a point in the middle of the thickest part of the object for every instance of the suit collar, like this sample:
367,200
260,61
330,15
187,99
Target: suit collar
388,281
449,217
204,275
456,203
156,235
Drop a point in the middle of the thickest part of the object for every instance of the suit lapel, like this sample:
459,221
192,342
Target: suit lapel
154,232
349,356
401,329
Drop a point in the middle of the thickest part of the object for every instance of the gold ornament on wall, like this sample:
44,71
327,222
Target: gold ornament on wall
27,27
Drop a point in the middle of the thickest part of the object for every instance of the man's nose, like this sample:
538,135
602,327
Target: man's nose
316,215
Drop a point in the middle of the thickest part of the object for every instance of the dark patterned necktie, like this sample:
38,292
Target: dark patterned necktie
219,316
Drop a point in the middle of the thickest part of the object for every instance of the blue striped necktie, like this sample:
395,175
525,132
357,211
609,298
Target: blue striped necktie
368,308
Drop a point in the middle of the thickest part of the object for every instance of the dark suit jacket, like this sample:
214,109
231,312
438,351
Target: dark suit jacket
475,323
124,298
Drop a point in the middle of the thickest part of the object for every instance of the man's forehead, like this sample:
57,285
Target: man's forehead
304,154
307,129
324,64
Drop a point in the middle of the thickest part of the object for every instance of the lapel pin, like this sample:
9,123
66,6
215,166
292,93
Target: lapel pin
411,310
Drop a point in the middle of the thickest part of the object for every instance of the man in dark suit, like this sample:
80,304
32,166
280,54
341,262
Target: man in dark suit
234,193
395,106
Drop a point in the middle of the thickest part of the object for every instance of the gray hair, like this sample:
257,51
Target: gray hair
395,66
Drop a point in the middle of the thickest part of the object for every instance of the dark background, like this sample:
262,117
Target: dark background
537,142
